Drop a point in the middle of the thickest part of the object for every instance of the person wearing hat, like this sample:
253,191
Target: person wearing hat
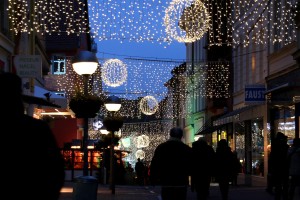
33,160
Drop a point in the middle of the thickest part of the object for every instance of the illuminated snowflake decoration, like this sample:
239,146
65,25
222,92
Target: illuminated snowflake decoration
186,20
148,105
114,72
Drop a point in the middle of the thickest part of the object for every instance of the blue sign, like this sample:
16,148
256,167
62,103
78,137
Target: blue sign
255,94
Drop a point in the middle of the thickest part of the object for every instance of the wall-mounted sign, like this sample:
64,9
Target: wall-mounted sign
255,94
28,66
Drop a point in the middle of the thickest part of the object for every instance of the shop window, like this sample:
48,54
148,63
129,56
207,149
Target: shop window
257,147
240,142
285,122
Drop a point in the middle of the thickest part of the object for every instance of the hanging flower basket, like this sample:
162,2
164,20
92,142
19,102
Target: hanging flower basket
85,106
113,123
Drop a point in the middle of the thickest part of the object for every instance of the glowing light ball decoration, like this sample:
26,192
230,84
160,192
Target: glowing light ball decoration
141,141
186,20
114,72
148,105
140,154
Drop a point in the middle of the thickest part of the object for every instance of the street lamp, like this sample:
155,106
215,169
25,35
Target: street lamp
112,104
85,63
112,124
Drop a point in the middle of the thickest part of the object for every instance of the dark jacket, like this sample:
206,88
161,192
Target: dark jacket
31,157
171,163
203,162
37,163
225,162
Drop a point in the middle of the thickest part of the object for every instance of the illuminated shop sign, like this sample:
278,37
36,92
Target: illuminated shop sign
255,94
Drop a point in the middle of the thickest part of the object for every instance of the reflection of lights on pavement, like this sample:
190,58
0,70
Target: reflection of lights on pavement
66,190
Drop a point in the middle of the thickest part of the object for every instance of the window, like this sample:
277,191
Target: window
58,64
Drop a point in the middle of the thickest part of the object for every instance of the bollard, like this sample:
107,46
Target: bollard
85,188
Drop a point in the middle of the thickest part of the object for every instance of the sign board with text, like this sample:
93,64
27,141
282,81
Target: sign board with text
28,66
255,94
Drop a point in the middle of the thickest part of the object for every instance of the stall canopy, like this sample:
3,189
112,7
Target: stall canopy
50,96
49,103
38,101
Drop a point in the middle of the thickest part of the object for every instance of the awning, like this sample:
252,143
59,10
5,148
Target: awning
208,128
38,101
231,116
275,89
53,98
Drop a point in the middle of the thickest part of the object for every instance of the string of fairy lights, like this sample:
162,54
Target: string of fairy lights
141,139
151,88
46,17
233,23
225,22
263,22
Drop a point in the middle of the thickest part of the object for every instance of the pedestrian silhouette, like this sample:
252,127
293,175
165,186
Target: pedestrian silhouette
203,168
294,168
279,166
171,166
225,161
139,170
36,166
237,167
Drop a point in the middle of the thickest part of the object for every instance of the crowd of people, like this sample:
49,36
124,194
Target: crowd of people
174,163
284,168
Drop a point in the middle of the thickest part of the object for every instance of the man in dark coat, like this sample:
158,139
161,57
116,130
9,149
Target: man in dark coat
279,165
203,168
33,160
171,166
224,167
139,170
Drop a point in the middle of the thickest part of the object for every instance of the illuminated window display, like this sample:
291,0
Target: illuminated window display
257,147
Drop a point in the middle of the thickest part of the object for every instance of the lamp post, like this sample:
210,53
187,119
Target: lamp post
112,104
85,63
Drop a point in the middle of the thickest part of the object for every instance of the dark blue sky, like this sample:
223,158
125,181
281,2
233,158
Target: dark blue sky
116,49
